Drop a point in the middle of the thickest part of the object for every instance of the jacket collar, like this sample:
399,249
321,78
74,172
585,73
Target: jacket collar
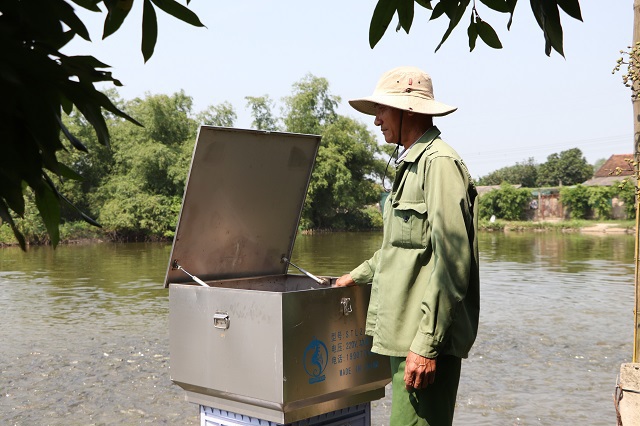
421,145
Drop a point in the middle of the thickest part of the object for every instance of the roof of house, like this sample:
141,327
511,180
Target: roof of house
617,165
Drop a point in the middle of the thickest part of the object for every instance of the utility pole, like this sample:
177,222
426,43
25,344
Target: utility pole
627,395
636,162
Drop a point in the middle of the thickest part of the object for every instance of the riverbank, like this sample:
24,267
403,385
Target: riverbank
82,233
564,226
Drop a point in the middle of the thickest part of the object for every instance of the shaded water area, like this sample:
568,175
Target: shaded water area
84,334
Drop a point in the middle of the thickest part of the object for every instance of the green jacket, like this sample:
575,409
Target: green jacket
425,294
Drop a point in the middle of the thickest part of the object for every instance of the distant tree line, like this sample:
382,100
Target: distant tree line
133,188
567,168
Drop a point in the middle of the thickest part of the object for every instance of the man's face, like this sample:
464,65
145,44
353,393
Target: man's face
388,119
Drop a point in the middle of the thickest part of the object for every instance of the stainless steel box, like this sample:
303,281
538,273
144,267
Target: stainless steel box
256,340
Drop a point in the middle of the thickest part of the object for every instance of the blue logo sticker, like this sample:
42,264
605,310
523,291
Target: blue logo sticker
315,359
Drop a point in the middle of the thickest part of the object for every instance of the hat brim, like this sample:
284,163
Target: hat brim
406,103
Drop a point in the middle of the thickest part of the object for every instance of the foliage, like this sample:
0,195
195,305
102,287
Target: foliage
585,201
140,198
626,192
37,82
505,203
576,199
310,107
598,164
525,174
569,167
134,188
222,115
600,201
343,180
546,12
263,118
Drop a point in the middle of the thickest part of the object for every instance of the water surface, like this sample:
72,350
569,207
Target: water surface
84,335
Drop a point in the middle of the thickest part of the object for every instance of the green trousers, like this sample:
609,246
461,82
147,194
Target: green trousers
432,406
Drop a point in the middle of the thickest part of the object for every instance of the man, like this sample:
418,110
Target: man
425,296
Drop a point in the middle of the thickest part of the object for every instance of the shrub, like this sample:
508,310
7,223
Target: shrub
576,199
505,203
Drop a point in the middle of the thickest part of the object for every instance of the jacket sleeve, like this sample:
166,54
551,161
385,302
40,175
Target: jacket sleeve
363,274
448,217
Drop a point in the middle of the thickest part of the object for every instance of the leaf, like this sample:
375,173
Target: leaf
67,105
149,30
488,35
179,11
512,7
472,32
74,141
68,16
405,14
117,11
425,3
571,8
6,217
455,19
382,15
91,5
68,172
444,6
548,18
11,192
49,208
84,216
497,5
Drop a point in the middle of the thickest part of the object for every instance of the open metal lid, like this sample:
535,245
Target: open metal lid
242,203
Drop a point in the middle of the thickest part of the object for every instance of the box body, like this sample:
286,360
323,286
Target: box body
287,354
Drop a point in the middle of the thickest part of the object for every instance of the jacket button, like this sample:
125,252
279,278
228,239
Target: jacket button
406,219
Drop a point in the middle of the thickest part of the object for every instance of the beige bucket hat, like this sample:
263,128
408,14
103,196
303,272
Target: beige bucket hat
405,88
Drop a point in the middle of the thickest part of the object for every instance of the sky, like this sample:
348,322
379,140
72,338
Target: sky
514,103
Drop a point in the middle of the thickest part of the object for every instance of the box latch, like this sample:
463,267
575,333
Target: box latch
221,320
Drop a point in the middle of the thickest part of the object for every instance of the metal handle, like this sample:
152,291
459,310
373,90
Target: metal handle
346,305
321,281
221,320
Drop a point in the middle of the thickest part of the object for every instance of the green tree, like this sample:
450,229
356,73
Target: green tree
546,12
261,111
140,197
38,82
569,167
310,107
343,181
525,174
598,163
222,115
342,184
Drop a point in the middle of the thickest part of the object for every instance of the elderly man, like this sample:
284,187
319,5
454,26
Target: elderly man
425,296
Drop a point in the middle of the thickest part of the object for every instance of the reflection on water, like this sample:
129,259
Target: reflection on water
84,330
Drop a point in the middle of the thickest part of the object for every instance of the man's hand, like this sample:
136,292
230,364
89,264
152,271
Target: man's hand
345,281
419,372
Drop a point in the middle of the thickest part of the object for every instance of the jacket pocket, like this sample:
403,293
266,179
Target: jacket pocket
409,225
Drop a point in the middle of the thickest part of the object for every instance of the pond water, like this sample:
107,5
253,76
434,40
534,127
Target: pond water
84,334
